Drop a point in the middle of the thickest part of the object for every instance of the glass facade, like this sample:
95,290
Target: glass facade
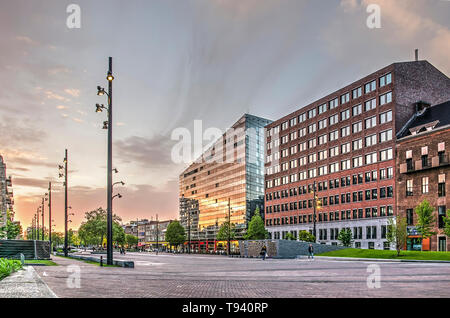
228,181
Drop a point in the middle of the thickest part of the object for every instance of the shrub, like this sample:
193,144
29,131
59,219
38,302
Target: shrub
8,266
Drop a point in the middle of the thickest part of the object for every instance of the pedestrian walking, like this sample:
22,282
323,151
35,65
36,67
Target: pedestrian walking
263,252
311,251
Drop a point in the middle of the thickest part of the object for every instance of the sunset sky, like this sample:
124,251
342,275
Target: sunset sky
176,61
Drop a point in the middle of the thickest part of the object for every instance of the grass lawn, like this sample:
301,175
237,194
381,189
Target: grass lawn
414,255
90,262
44,262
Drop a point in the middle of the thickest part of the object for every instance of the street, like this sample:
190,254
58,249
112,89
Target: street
208,276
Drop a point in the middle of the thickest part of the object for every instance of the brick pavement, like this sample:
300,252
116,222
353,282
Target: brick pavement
199,276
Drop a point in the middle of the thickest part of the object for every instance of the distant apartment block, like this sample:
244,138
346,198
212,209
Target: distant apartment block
6,194
343,146
228,179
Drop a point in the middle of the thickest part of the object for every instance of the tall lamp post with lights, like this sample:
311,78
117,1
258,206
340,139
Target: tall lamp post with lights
63,174
108,125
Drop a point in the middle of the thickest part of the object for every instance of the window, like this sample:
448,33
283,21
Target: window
357,127
334,167
386,117
345,98
357,110
285,125
371,140
302,161
370,104
323,170
409,217
302,146
441,185
322,123
409,188
345,164
334,135
334,119
441,215
284,139
385,80
357,162
386,135
334,151
371,122
312,173
312,143
333,103
370,87
357,144
425,185
371,158
357,92
302,118
312,158
293,122
345,131
386,154
312,128
323,139
302,132
322,108
293,135
345,114
386,98
345,148
323,155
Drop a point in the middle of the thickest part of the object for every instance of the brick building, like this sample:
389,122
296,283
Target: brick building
423,170
344,145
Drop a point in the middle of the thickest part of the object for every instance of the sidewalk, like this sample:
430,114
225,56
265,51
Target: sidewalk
378,259
25,283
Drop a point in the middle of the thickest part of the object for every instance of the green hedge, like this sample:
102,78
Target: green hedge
8,266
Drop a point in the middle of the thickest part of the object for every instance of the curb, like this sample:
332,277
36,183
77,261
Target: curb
387,260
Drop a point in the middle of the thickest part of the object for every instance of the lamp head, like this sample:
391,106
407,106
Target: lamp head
100,91
110,77
105,125
99,108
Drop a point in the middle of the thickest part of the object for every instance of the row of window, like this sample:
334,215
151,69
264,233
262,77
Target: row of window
355,162
360,178
356,127
425,186
356,196
442,211
332,104
362,213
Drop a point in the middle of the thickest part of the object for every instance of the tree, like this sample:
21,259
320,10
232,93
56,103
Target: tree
94,229
222,234
447,223
345,237
290,236
256,229
397,232
131,240
12,230
175,234
425,219
305,236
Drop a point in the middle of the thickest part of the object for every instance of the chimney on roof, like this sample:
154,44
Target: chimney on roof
417,54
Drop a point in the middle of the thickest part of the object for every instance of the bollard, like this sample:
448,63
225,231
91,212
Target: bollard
22,259
101,260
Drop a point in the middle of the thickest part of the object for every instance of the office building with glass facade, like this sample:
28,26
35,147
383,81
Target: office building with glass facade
225,183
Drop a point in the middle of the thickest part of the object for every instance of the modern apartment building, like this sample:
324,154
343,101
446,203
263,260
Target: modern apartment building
342,148
423,172
152,234
227,180
6,195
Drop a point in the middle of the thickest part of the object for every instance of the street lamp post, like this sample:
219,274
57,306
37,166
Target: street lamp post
38,229
314,217
50,213
229,227
189,230
108,125
61,175
157,235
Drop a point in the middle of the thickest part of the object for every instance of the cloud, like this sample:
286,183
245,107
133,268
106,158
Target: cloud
72,92
26,39
51,95
30,182
154,152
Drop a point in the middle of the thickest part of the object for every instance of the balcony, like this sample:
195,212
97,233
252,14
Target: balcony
424,164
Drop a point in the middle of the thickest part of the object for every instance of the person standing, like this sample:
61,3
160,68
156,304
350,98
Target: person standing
263,252
310,251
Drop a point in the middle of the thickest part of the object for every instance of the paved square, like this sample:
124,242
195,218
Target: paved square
200,276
